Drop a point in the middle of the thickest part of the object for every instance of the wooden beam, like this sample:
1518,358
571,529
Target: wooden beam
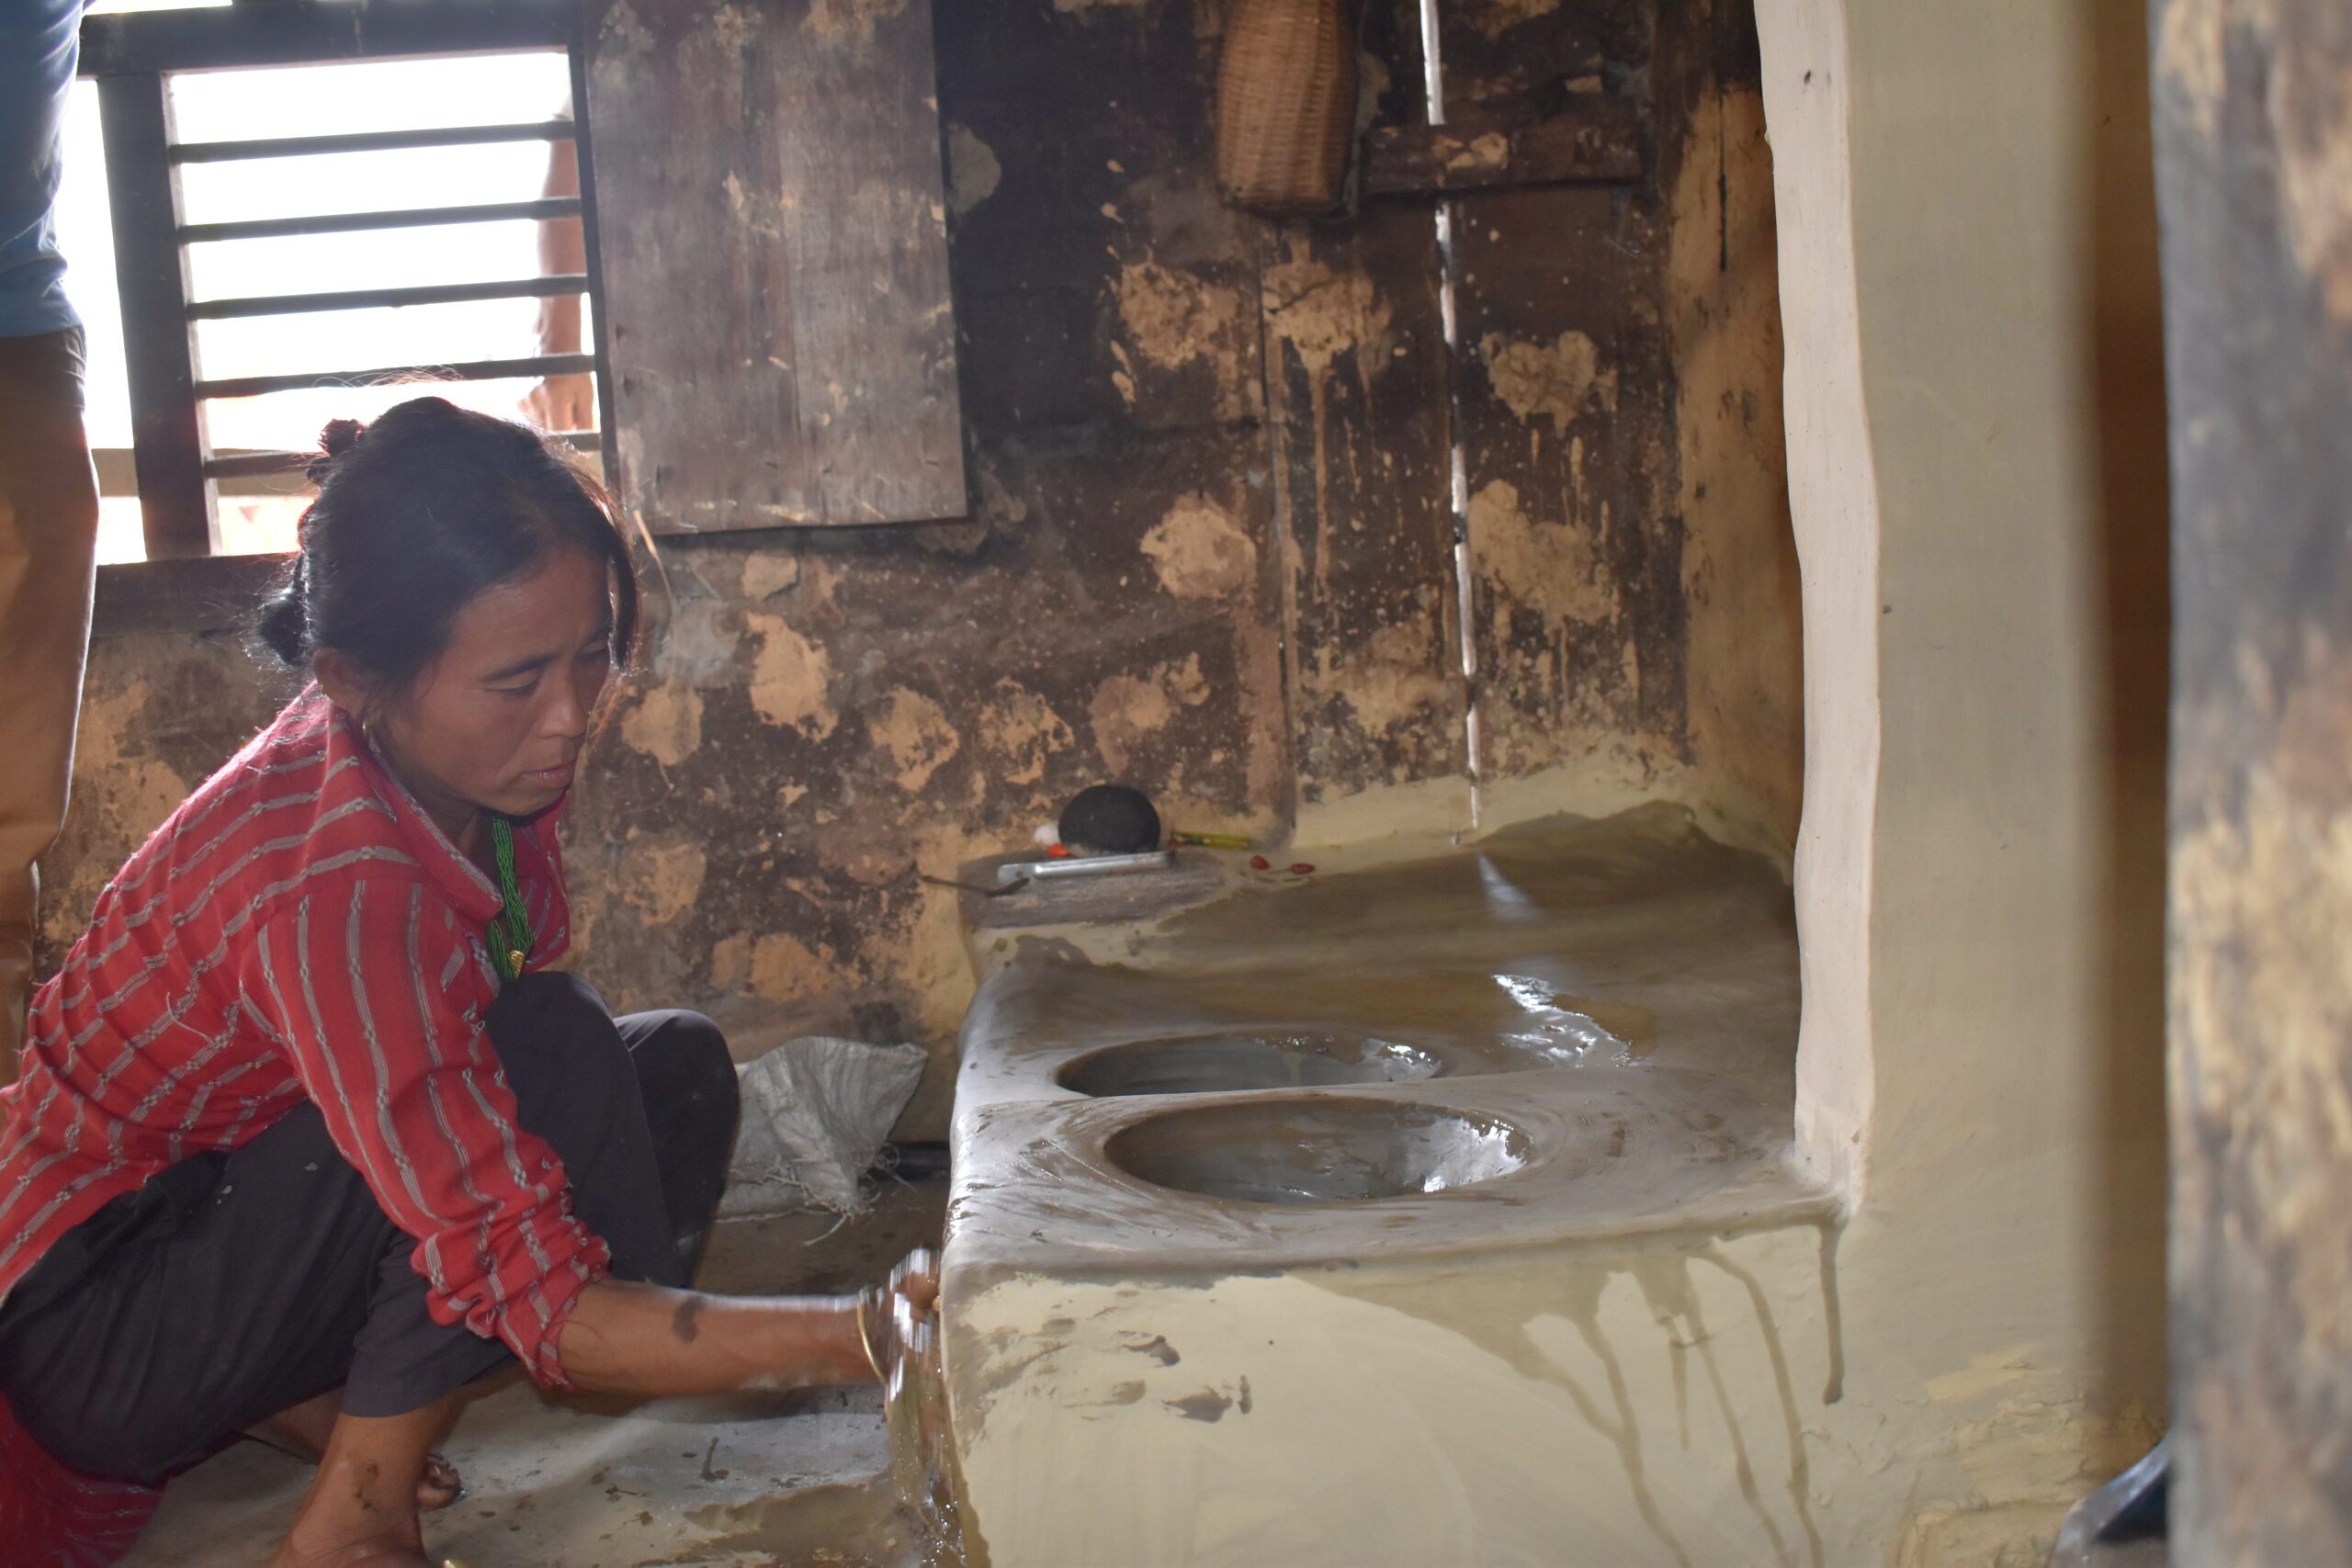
305,32
248,472
189,596
175,500
599,322
1596,142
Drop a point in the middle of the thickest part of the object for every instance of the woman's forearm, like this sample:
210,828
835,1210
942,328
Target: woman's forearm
649,1340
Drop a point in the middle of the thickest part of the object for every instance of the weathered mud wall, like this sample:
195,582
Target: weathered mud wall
1210,547
1742,656
2254,130
1618,415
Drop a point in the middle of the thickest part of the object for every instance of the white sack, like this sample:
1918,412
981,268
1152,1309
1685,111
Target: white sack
816,1112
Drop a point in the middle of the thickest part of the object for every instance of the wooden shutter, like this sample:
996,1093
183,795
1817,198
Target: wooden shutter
773,235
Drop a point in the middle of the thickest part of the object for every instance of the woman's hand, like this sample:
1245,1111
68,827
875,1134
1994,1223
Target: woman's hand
894,1317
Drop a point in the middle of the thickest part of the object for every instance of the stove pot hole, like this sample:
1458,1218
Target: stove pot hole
1209,1063
1296,1150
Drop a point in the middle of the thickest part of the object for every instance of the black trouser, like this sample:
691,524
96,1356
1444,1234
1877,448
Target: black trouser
234,1286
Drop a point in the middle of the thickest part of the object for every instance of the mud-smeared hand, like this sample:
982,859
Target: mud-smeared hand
897,1315
917,1278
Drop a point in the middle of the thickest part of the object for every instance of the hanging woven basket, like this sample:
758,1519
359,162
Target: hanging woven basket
1286,104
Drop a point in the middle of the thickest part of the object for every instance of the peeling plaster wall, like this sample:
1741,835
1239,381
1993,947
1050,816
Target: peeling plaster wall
1211,544
160,713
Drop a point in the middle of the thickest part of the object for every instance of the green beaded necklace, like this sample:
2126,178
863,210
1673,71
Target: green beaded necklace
509,929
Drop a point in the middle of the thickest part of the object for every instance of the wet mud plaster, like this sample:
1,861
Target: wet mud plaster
1985,1070
1644,1331
1587,1256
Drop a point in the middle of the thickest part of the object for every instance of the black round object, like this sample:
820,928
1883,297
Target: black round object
1111,819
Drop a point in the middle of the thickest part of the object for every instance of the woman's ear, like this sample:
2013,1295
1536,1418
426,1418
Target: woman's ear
346,686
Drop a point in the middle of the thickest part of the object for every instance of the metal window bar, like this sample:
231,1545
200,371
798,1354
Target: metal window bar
243,473
131,55
370,142
298,33
537,366
369,299
539,211
234,466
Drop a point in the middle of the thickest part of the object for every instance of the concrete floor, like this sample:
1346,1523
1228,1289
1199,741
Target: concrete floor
582,1483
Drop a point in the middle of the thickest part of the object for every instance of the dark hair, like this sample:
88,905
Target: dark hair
418,512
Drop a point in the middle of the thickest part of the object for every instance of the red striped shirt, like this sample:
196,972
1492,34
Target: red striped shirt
299,929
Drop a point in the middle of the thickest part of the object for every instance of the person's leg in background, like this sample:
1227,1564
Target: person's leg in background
48,531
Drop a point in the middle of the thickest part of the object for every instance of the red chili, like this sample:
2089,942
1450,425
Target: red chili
1259,863
1302,869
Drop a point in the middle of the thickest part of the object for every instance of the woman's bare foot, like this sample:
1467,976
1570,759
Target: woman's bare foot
360,1511
303,1430
386,1555
440,1485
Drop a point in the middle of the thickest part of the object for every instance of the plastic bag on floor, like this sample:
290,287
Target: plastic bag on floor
816,1112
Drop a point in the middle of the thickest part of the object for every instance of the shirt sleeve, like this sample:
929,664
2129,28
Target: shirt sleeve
379,1004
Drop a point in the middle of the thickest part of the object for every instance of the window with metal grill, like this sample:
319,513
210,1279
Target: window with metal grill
310,209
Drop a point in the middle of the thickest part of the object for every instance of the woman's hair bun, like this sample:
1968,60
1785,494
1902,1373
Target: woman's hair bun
283,627
340,436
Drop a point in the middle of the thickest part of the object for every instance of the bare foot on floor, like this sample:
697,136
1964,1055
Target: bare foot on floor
364,1555
303,1431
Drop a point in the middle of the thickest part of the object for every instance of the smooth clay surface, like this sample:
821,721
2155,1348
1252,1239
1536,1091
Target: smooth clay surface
1556,1282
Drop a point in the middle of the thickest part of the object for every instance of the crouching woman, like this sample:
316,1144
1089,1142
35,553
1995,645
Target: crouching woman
307,1137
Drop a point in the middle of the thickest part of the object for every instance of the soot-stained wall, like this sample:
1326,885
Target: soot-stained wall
1211,546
